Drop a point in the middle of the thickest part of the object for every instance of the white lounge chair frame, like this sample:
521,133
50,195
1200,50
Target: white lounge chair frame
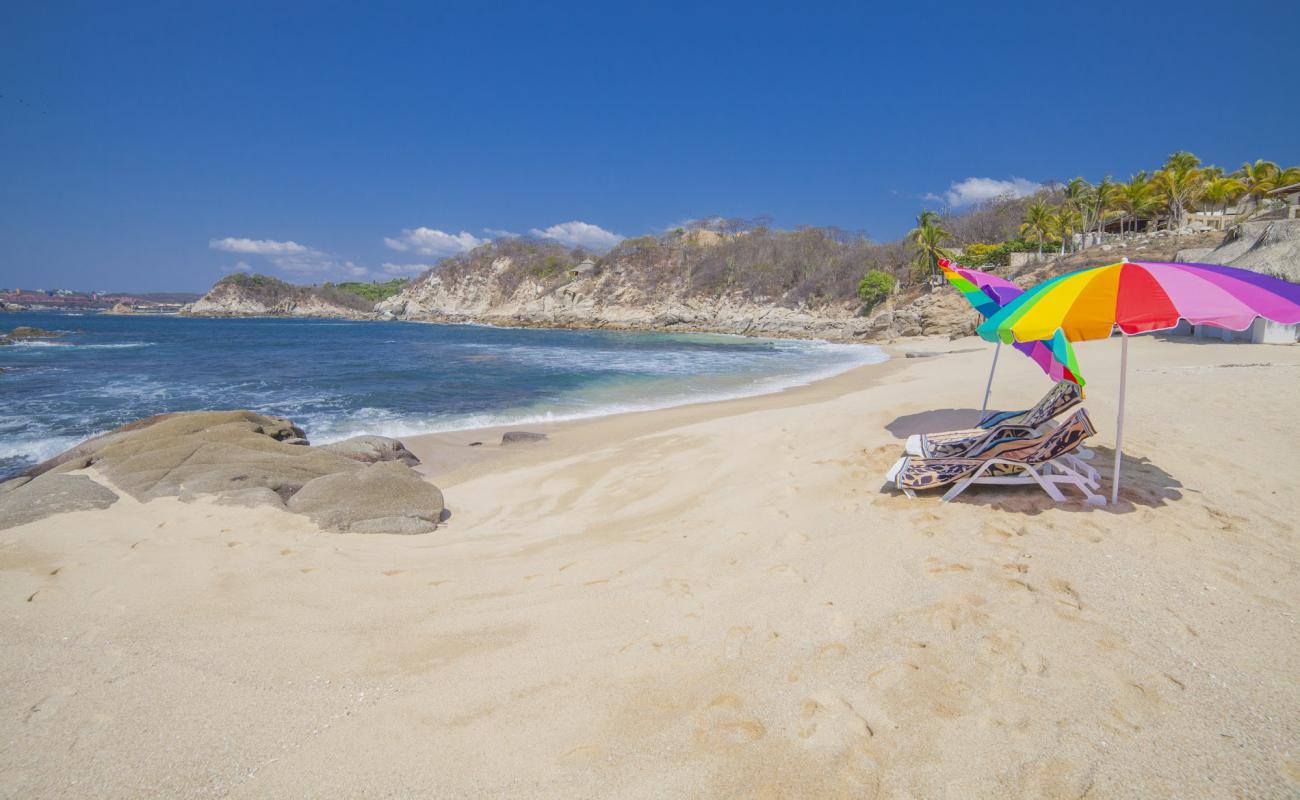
1078,460
1048,476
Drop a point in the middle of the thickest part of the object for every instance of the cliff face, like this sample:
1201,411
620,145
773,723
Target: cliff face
787,284
1268,246
609,300
242,295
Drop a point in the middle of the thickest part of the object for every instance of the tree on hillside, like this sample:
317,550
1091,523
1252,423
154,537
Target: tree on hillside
1262,177
1080,195
927,239
1136,199
1222,190
1065,221
1038,221
1180,182
1105,198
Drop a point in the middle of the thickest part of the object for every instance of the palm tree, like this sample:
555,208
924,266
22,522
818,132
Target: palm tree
1078,194
1105,198
1066,221
1135,198
1259,179
928,238
1222,190
1038,220
1181,181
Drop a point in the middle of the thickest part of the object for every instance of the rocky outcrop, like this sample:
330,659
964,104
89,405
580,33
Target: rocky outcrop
243,458
386,497
24,333
1270,246
522,437
372,449
241,295
23,501
5,305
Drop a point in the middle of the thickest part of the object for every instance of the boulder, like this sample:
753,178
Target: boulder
52,494
520,437
371,449
247,459
386,497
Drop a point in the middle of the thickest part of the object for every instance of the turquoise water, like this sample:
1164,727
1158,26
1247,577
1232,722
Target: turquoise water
338,379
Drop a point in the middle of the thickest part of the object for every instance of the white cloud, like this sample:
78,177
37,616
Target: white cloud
257,247
432,242
404,270
975,190
579,234
297,260
500,234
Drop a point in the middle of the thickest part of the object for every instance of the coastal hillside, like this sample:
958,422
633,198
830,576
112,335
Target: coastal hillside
803,283
758,281
243,295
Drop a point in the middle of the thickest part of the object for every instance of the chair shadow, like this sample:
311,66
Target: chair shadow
1143,484
941,419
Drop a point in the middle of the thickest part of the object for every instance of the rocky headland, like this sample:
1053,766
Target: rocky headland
244,295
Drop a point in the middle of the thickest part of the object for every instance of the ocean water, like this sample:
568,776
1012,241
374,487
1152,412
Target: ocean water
338,379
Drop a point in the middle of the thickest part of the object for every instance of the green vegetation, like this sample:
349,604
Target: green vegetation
980,254
876,286
927,239
374,292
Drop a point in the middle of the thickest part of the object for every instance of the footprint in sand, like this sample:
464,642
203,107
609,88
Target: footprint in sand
957,611
733,646
829,723
1071,597
937,567
724,724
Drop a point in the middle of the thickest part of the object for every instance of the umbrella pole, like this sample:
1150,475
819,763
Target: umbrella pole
1119,422
989,388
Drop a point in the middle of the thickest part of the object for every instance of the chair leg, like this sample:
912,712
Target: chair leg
1082,483
952,493
1046,484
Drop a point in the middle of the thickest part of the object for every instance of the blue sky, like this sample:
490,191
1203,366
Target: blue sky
152,146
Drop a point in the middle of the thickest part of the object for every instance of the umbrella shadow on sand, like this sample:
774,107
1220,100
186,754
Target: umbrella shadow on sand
1145,485
940,419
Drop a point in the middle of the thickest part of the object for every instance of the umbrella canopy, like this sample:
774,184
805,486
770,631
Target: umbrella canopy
988,294
1138,297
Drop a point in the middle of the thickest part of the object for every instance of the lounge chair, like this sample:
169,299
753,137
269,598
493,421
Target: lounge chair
952,444
1042,460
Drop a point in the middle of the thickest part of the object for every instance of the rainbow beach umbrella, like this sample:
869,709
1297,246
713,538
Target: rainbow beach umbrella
1140,297
988,293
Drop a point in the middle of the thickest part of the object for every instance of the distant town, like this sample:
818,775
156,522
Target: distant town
18,299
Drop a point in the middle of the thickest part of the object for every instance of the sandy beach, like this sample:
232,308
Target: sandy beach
710,601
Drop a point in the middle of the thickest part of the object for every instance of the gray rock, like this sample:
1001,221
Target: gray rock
296,440
520,437
52,494
374,499
13,483
398,525
372,449
250,498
